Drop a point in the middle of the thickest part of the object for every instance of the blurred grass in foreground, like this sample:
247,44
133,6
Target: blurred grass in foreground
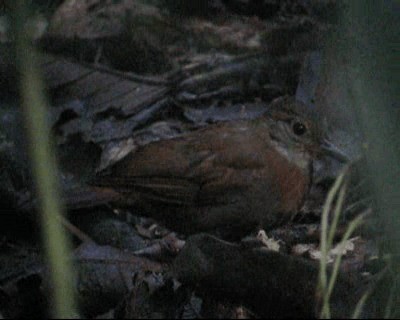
367,38
44,166
328,230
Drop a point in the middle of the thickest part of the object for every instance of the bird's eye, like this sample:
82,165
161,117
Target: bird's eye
299,129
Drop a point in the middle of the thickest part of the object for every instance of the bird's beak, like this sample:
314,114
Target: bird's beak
333,151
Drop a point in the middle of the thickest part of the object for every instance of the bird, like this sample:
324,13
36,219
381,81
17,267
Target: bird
228,178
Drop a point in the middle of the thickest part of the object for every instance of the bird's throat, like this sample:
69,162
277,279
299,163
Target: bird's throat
298,157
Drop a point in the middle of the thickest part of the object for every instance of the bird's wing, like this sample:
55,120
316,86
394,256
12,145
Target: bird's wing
198,169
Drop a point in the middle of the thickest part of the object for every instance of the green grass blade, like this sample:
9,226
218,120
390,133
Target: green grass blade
44,167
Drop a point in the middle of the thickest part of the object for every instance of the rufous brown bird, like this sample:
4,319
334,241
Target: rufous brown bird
226,178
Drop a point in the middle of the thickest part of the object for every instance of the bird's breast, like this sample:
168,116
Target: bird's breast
291,181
